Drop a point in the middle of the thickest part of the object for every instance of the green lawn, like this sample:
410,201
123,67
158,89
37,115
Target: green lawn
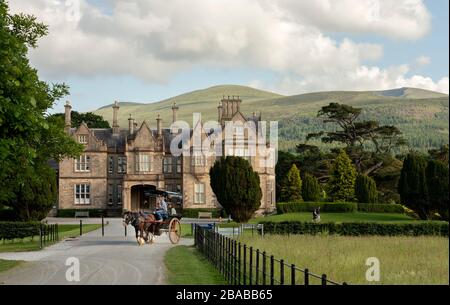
335,217
186,266
7,264
403,260
32,244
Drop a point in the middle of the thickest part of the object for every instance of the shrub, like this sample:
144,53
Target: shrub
366,189
237,187
311,190
193,213
92,212
381,208
341,186
357,228
332,207
13,229
438,187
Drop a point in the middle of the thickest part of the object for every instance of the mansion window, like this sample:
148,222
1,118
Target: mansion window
110,194
122,165
82,139
167,165
119,194
82,193
178,162
110,164
83,164
143,163
198,160
199,193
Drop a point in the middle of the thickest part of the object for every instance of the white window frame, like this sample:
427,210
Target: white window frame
83,139
143,163
83,190
82,164
178,165
198,160
199,193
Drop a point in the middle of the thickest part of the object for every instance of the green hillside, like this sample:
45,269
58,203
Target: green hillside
422,115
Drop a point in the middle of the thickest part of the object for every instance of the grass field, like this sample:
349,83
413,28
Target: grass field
32,244
7,264
403,260
186,266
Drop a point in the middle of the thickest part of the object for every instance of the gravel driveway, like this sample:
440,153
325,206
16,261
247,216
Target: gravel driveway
112,259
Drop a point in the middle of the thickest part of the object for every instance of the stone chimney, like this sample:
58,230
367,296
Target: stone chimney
67,118
158,125
115,125
219,112
130,124
174,112
238,103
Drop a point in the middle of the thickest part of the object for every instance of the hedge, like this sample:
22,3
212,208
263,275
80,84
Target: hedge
356,228
381,208
193,213
294,206
92,212
13,229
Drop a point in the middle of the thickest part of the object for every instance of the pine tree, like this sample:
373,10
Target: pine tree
366,189
412,185
236,187
341,186
292,186
438,188
311,190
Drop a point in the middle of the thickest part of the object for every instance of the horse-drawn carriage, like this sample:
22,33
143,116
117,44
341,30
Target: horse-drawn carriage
147,226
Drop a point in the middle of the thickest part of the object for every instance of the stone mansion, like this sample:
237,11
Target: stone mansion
121,167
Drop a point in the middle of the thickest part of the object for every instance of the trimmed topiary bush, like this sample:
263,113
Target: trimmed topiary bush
381,208
15,229
366,189
331,207
311,190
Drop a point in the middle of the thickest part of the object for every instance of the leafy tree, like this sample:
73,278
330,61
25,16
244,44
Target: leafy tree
91,119
292,185
412,185
437,177
236,186
366,189
285,161
311,190
341,186
441,154
27,137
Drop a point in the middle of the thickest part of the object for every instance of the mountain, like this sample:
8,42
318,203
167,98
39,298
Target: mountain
421,115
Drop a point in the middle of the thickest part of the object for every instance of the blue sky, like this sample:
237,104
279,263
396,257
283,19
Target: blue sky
145,52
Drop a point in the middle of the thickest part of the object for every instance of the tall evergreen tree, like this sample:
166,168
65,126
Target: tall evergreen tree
292,186
341,186
412,185
311,190
236,187
366,189
438,187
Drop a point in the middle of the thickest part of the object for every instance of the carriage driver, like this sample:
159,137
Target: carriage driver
161,209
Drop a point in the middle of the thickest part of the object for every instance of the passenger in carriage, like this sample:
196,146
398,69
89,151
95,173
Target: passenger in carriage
161,209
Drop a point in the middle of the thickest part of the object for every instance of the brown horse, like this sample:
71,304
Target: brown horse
144,225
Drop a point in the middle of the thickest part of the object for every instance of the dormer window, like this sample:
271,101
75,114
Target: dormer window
83,139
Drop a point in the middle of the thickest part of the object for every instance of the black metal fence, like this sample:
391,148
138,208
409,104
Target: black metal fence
243,265
48,234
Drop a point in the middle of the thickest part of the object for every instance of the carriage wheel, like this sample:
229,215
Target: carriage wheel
174,231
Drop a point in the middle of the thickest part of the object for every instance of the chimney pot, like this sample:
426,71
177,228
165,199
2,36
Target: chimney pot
115,125
67,117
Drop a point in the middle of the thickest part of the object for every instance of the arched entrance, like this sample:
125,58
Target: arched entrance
143,197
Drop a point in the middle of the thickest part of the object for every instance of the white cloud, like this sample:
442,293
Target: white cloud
422,61
152,40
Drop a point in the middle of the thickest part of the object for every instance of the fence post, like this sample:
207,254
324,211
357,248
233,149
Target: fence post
264,268
103,227
281,272
239,263
306,277
251,266
40,234
81,227
257,268
125,230
324,279
271,270
292,274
